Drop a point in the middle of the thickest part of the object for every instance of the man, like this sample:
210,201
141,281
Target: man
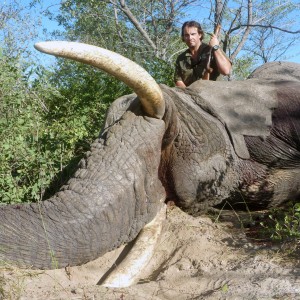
191,64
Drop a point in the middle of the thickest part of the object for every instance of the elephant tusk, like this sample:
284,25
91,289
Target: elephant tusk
115,64
130,269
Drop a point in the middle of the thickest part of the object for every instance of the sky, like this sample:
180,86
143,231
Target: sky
44,26
293,54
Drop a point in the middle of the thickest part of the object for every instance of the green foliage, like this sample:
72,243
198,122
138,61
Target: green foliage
23,163
103,24
284,224
17,29
84,96
161,71
49,123
242,67
26,167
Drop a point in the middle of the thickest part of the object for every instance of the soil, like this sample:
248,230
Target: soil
196,258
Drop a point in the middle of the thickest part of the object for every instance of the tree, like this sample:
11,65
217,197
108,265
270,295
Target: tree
277,33
20,109
259,31
27,162
17,29
137,29
37,140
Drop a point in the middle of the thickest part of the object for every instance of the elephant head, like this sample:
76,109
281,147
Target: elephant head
156,144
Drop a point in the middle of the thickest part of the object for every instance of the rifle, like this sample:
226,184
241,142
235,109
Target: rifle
208,69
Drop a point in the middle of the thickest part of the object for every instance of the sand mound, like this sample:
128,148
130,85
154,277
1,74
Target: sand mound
195,259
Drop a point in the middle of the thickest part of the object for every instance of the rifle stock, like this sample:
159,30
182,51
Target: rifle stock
206,74
208,69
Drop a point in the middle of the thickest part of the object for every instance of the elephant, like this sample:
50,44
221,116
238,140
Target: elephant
202,146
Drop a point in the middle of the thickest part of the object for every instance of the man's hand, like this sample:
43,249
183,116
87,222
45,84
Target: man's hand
180,84
213,41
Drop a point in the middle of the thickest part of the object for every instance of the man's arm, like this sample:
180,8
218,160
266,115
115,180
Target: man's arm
223,63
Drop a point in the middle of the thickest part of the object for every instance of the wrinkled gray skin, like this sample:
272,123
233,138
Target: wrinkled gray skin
192,156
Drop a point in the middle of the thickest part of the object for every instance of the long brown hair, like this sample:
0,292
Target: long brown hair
192,24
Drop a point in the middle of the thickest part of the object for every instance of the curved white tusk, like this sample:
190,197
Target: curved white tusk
115,64
130,269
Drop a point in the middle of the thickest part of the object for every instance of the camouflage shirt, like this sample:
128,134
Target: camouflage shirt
188,70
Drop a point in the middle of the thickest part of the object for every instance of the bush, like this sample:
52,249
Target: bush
23,164
284,224
47,124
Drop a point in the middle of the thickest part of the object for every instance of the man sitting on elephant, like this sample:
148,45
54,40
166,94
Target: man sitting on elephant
191,64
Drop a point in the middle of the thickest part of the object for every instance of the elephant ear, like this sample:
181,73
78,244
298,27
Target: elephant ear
119,107
245,107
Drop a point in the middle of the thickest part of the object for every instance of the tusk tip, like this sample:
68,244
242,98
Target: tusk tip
41,46
50,47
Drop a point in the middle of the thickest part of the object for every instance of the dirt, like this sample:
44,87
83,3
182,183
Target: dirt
195,258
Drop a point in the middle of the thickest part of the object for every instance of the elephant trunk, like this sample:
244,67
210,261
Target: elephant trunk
114,193
115,64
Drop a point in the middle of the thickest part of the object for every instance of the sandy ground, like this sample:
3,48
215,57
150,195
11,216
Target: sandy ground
194,259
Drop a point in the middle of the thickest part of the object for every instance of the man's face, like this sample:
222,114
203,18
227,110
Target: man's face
191,37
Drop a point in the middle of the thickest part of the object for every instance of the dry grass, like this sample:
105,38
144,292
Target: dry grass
12,280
